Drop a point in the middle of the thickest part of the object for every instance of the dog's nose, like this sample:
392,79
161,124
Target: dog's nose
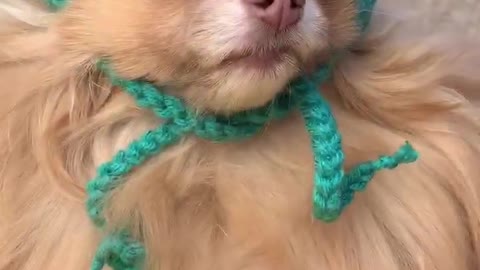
279,14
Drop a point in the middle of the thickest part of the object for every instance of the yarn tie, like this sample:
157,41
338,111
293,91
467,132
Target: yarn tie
333,189
120,252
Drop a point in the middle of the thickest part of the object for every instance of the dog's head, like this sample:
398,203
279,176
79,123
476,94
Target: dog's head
221,55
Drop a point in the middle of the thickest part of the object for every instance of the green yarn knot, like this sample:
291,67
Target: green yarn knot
120,252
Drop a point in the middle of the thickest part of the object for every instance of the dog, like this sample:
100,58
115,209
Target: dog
236,205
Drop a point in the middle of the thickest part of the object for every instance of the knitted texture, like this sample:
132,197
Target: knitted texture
57,4
365,9
120,252
333,189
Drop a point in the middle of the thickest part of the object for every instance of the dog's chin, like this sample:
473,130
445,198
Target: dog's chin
242,85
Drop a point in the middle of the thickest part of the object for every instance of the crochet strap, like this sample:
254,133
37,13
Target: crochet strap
333,190
365,9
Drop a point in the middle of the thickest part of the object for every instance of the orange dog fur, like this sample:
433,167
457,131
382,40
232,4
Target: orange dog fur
244,205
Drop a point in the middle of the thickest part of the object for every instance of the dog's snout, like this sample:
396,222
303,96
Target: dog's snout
279,14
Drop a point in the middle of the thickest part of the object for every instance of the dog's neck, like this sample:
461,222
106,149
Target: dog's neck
333,189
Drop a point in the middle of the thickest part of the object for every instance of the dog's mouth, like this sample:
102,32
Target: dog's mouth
262,59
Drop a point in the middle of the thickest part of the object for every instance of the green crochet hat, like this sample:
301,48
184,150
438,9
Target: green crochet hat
333,189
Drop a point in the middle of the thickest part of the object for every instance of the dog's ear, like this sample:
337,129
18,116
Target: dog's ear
342,24
464,76
23,31
429,90
440,76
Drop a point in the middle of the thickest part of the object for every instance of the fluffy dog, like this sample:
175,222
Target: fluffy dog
240,205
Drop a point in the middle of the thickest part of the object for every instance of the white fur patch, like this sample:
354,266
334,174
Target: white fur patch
23,11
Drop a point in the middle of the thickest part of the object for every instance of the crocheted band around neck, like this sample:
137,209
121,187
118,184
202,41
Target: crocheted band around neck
333,189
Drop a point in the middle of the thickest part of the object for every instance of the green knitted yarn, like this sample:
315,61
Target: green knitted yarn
333,188
365,9
56,4
179,121
120,252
